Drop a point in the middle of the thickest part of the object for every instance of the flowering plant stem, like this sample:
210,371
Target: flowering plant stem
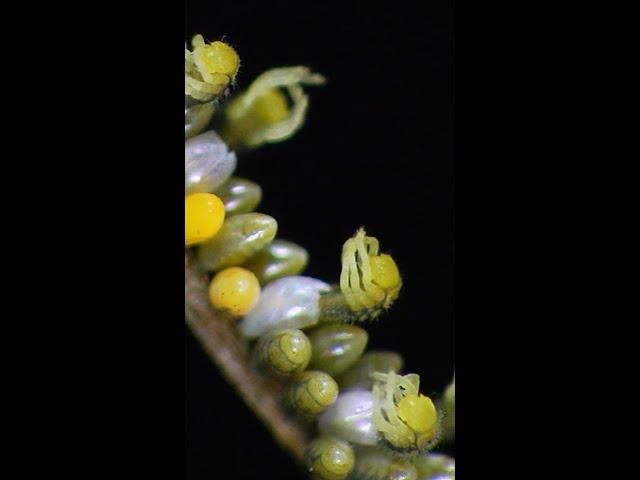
223,343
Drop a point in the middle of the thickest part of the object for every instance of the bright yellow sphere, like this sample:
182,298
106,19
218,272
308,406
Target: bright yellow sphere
218,57
203,217
384,271
235,290
418,412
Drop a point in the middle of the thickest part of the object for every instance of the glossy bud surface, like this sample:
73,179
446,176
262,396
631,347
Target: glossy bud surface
359,376
434,466
285,352
329,458
208,163
290,302
279,259
337,347
350,418
313,393
239,196
240,237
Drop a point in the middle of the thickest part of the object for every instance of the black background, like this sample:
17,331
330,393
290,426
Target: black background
377,150
541,210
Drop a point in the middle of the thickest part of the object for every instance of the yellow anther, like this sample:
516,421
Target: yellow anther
209,69
418,412
384,271
217,57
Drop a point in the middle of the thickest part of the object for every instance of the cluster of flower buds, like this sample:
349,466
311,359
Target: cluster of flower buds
372,421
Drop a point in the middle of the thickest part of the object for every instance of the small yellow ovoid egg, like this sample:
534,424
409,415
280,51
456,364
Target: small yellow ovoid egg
235,290
418,412
203,217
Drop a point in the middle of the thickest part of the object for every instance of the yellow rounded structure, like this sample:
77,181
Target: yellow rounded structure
384,271
314,392
329,458
418,412
217,58
267,110
209,69
285,352
203,217
370,281
407,421
271,107
235,290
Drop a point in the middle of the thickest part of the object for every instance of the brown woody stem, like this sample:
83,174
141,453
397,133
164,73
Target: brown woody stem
230,352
